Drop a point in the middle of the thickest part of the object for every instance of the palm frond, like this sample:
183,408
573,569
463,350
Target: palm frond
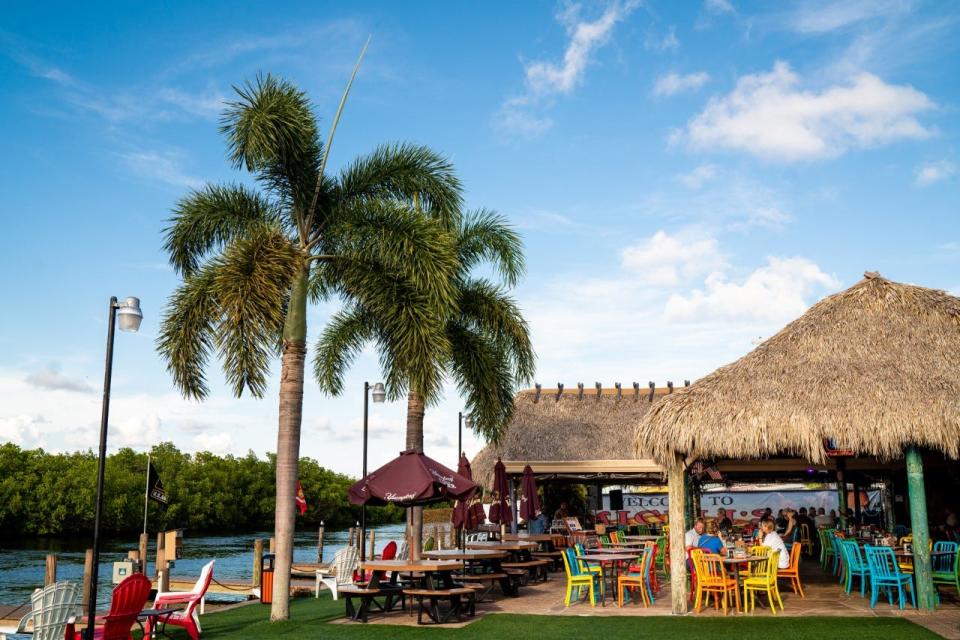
252,280
186,333
481,370
272,131
485,235
411,173
341,341
489,310
208,219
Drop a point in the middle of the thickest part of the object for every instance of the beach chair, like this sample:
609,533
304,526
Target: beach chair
126,603
50,609
855,564
946,567
188,617
886,574
345,562
577,578
763,578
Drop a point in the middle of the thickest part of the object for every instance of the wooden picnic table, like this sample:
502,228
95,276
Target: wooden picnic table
465,555
643,538
629,543
503,545
528,537
605,558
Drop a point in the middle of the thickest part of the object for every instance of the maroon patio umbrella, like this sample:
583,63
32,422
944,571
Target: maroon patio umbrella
410,480
500,512
467,513
529,502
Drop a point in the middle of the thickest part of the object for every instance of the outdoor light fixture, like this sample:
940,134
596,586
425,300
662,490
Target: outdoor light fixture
462,419
379,395
130,317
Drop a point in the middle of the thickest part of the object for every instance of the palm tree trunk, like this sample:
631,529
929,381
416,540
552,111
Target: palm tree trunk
415,411
288,442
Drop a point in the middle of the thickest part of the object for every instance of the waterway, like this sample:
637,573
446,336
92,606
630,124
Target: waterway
22,561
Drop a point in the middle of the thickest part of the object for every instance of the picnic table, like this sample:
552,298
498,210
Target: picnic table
643,538
529,537
514,546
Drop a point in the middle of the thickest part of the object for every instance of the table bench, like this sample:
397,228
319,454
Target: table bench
526,569
366,597
429,600
488,580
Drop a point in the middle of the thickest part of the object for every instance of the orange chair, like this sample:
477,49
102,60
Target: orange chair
793,571
712,579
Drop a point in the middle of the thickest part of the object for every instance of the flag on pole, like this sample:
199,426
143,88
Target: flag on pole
155,488
301,499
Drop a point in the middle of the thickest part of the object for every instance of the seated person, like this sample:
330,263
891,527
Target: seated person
724,523
562,512
692,537
781,521
772,540
710,541
823,520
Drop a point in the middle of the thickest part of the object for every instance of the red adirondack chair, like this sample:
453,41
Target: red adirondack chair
127,602
187,617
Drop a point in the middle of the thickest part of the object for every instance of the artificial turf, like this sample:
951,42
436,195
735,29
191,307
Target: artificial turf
309,618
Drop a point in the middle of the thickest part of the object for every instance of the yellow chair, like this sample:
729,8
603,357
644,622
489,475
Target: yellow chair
906,563
754,550
577,579
712,579
793,571
764,579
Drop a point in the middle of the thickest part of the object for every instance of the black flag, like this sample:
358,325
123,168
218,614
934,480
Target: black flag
156,490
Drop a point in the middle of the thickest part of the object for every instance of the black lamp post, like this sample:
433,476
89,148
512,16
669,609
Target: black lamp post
379,395
462,418
130,318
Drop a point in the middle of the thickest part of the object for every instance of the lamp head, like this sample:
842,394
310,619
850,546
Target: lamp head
468,421
129,315
379,393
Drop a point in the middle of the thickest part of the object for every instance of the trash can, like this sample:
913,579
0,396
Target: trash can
266,580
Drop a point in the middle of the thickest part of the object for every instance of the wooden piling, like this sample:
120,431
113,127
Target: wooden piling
144,541
257,562
158,564
87,575
350,537
50,570
320,544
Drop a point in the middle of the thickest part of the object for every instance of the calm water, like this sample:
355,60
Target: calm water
22,561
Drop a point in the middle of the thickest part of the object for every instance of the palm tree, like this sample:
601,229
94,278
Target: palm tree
251,260
487,351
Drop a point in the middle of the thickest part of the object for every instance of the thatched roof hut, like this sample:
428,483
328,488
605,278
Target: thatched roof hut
573,434
875,367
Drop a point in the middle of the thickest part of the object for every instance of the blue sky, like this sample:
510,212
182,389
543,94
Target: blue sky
687,178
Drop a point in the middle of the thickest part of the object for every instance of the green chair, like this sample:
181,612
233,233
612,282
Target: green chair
826,548
946,564
663,560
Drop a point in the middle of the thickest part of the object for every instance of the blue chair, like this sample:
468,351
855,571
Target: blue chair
856,566
886,574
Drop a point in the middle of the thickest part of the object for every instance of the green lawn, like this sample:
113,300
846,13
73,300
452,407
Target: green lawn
309,617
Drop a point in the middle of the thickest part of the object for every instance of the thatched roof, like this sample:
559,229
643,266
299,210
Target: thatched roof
876,367
572,433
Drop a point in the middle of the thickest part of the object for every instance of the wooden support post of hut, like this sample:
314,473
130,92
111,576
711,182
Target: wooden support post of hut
50,569
676,480
926,594
890,517
842,492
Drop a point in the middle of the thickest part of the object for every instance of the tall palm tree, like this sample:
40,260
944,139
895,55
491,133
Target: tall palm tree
251,260
488,344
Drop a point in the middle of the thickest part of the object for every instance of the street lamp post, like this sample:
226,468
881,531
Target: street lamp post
462,418
379,395
130,318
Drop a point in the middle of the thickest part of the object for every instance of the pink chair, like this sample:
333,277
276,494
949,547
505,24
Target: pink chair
125,605
186,617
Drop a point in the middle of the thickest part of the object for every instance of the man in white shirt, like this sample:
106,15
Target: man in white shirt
692,537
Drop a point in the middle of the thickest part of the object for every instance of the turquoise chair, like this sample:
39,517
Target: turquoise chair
946,567
856,566
579,578
886,574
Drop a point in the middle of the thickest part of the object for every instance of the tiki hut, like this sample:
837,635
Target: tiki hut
875,368
573,434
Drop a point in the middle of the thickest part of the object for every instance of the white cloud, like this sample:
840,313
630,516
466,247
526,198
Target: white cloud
662,43
674,83
161,166
220,443
718,7
821,16
778,291
208,104
53,380
934,172
544,79
699,176
664,259
23,430
768,115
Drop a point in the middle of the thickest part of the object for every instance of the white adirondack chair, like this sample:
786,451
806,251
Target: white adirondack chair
403,553
51,607
345,562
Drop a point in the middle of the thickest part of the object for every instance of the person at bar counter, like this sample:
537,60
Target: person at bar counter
692,537
772,540
724,523
563,511
710,540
